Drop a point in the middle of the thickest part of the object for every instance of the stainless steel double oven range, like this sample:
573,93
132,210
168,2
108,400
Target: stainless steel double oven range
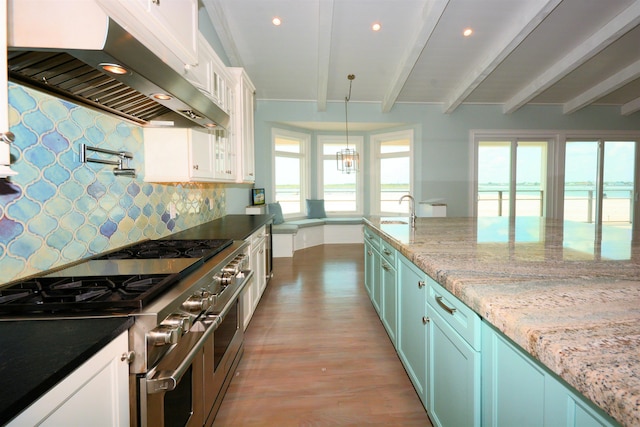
186,340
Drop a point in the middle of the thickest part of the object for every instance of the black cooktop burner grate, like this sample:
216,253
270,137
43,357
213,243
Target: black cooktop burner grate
84,294
162,249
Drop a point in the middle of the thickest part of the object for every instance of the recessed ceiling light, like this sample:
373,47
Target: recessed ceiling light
467,32
114,68
162,96
211,125
376,26
276,21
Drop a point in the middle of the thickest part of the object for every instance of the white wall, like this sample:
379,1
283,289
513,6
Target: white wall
442,147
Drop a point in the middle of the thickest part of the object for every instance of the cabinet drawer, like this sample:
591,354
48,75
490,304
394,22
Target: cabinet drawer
372,238
258,235
460,317
388,252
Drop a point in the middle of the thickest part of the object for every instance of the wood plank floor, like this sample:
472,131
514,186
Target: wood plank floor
316,353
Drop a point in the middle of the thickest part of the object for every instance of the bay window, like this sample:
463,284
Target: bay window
392,172
341,192
291,170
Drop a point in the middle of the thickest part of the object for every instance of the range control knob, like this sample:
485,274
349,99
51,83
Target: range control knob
198,303
231,268
164,335
178,319
226,279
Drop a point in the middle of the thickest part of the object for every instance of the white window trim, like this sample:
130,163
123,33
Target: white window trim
376,139
304,154
356,142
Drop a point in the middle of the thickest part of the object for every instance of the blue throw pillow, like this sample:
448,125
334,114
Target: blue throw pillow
315,209
276,210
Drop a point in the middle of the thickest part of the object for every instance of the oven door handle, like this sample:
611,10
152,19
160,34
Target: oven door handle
168,380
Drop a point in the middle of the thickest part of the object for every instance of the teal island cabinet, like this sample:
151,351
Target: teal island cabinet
466,371
388,283
517,390
412,320
372,267
453,360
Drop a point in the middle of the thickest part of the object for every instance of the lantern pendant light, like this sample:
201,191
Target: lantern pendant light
347,159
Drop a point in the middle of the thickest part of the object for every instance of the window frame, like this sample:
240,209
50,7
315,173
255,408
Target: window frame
376,140
555,162
513,142
355,141
305,163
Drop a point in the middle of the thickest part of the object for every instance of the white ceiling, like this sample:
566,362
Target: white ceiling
568,52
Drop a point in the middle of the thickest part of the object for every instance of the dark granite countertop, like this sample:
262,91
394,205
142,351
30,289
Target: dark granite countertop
37,354
236,227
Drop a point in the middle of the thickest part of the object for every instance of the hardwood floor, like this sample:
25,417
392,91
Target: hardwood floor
316,353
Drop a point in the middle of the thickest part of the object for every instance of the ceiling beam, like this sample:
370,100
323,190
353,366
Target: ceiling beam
602,38
630,107
217,15
603,88
431,15
510,41
325,26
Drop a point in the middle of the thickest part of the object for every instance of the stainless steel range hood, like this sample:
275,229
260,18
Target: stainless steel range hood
66,59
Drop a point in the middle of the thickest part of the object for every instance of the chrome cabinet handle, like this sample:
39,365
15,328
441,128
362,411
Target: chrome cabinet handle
386,251
386,267
420,284
195,167
425,320
128,357
369,253
7,137
448,309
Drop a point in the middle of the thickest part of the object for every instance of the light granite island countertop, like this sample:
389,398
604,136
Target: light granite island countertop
567,295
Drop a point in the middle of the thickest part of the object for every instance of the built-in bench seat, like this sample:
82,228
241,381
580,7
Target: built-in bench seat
302,233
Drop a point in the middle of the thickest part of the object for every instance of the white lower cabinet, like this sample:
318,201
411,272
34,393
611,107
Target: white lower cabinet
95,394
253,291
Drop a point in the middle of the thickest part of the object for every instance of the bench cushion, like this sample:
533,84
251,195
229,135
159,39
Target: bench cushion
302,223
284,229
343,221
292,226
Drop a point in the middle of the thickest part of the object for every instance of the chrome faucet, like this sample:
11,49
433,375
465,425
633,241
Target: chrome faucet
412,206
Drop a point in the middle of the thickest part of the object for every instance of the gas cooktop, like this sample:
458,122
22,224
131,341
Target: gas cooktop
83,294
160,249
120,281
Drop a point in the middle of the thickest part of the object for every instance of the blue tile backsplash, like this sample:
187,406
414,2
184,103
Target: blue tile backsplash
58,210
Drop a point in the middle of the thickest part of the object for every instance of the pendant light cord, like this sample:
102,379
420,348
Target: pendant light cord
346,114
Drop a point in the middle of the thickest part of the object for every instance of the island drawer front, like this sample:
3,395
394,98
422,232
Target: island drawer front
372,238
388,252
461,318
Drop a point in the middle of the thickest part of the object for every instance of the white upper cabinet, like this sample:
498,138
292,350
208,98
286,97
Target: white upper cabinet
169,28
210,75
178,155
5,153
243,124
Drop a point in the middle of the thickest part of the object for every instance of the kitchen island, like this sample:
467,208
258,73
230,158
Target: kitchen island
568,299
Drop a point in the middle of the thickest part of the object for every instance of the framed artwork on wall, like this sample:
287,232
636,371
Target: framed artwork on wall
257,196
